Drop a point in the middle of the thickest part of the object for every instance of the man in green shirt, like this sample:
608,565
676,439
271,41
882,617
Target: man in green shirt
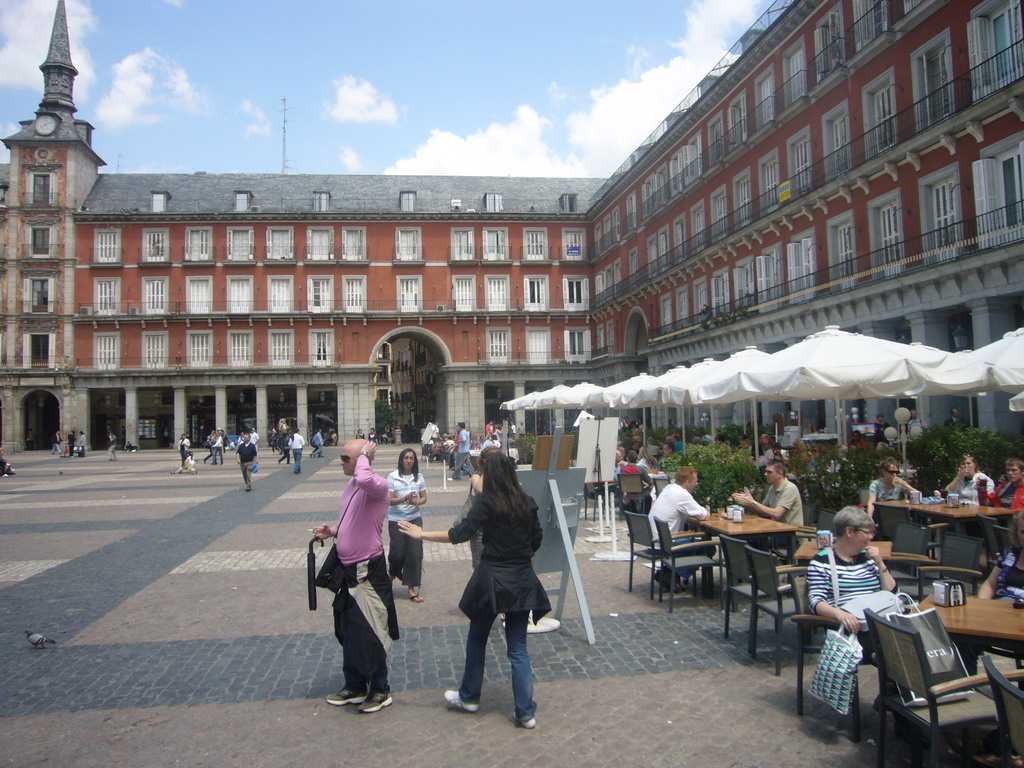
781,501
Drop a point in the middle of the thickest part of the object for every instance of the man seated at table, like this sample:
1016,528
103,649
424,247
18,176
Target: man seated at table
675,504
781,501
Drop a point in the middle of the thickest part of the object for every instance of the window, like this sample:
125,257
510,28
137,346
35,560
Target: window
353,244
743,282
38,294
992,35
535,291
199,350
679,232
700,296
355,294
41,242
462,245
836,135
409,293
794,75
200,294
492,202
107,350
280,243
769,275
240,244
407,245
538,346
631,211
279,294
800,163
239,348
801,265
720,294
240,295
154,295
464,294
535,245
280,346
719,214
572,244
321,202
666,309
682,303
197,245
616,272
829,52
577,345
768,170
738,120
716,143
321,295
40,350
321,344
676,169
242,201
497,346
42,189
879,108
764,90
320,244
495,244
154,245
940,215
885,218
841,251
154,350
407,201
742,198
567,203
158,201
697,227
575,292
933,90
600,336
497,294
107,296
870,19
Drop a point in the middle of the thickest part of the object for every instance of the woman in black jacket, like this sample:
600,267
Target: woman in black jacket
503,582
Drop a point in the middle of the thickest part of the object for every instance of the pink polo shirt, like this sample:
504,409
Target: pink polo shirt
366,500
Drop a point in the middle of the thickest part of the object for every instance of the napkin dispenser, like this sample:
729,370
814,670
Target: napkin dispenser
949,593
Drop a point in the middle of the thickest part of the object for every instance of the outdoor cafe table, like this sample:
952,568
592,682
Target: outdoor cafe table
808,549
752,527
940,513
984,622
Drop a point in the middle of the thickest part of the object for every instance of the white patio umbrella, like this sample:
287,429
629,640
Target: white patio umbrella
1017,402
562,396
1006,358
609,397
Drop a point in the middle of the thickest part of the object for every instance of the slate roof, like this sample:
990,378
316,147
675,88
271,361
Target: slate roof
203,193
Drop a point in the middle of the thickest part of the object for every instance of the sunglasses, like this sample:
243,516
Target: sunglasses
346,459
893,471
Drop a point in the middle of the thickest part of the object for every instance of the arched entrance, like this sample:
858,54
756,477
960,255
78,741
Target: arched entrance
635,337
41,419
409,381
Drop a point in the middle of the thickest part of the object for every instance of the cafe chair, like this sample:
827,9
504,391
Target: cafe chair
686,559
642,546
1009,700
888,517
634,497
738,580
993,545
910,547
960,559
660,483
771,597
901,660
824,523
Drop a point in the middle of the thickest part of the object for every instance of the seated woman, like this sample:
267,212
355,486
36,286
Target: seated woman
1006,582
1010,493
889,487
860,571
966,481
630,467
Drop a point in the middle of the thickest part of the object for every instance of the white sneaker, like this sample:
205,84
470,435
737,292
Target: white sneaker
529,723
455,702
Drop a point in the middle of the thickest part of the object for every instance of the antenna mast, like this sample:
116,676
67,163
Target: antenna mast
284,135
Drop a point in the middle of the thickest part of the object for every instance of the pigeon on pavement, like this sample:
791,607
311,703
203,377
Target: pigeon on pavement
38,640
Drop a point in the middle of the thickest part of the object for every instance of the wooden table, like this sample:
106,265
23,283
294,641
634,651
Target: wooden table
752,527
984,622
940,513
808,549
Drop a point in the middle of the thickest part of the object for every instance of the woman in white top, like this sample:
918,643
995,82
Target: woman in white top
408,494
966,481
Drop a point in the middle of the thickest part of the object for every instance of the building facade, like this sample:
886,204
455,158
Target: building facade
848,163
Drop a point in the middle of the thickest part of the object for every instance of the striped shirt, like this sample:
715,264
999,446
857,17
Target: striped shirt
855,579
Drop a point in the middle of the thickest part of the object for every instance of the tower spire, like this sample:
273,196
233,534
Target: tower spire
58,71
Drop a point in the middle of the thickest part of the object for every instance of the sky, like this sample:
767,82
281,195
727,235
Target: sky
562,88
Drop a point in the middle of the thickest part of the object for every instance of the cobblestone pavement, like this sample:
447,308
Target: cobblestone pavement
179,607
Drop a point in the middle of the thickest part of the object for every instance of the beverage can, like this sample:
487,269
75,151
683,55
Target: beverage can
738,517
824,539
915,497
953,500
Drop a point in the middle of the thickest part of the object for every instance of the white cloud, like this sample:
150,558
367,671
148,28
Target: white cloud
7,129
359,101
557,94
176,3
350,159
146,86
501,149
25,27
260,125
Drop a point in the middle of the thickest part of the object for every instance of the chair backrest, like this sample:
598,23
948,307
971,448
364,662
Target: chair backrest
899,653
988,530
660,483
762,566
639,527
631,483
961,551
1009,706
664,534
737,567
889,518
825,519
911,539
1002,535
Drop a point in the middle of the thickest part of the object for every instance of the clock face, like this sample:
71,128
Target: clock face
46,124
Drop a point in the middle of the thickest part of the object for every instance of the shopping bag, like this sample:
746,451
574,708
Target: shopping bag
883,602
943,656
836,676
254,468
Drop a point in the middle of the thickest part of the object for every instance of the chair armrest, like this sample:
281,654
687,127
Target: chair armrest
692,545
908,557
960,684
937,526
813,620
791,569
949,569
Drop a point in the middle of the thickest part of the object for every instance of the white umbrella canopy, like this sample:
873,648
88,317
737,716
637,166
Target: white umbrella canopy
1006,356
830,364
526,401
738,361
610,396
1017,402
676,390
647,392
562,396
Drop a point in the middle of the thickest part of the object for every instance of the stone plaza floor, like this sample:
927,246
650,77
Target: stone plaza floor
178,604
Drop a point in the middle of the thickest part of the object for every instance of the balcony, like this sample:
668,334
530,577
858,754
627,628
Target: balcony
107,255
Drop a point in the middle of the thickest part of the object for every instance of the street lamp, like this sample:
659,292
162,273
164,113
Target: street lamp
902,434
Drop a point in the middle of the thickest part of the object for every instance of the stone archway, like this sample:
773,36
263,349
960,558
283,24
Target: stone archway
635,336
410,377
40,419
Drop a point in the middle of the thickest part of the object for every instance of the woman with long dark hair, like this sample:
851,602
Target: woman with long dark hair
408,494
503,582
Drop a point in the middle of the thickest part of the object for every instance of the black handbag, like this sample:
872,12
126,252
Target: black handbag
332,572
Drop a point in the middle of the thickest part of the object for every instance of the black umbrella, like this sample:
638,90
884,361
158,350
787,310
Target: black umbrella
311,572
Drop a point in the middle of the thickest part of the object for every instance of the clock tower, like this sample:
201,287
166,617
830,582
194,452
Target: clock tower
53,167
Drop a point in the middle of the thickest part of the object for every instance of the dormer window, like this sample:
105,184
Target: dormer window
407,201
160,201
567,203
243,201
321,202
492,202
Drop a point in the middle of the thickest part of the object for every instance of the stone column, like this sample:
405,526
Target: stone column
262,425
519,389
990,319
932,328
220,407
302,408
131,415
180,414
84,411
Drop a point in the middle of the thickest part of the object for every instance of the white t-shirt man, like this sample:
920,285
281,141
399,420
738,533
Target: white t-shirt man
675,504
254,437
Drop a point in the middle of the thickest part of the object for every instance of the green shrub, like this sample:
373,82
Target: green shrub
934,454
831,476
525,443
721,471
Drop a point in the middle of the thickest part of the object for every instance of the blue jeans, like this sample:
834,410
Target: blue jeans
518,656
317,452
297,455
218,453
463,463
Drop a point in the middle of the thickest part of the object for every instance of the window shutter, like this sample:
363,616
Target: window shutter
986,190
977,40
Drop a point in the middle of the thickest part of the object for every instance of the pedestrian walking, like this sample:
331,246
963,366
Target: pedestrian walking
111,447
246,454
296,444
